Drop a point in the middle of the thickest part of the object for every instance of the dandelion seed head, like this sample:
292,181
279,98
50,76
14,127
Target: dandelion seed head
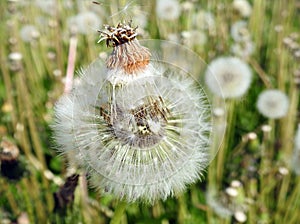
47,6
29,33
205,20
194,38
217,205
15,56
243,7
85,22
283,171
273,103
239,31
141,132
232,192
168,9
229,77
266,128
243,49
236,184
240,216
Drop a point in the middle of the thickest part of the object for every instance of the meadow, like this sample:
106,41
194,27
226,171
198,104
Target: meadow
252,49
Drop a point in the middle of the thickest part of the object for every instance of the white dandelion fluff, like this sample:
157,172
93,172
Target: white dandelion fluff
297,138
193,38
29,33
273,103
228,77
142,137
243,7
239,31
243,49
205,20
84,22
168,9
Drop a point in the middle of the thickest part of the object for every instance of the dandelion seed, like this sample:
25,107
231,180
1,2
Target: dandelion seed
168,9
228,77
142,132
273,104
283,171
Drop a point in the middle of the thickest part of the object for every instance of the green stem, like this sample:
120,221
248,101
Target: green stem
182,210
119,212
226,142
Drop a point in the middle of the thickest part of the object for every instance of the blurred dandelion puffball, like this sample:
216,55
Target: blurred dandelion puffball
139,127
273,103
85,22
168,9
228,77
243,7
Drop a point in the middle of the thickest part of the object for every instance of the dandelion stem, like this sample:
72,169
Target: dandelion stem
226,143
119,212
182,210
71,64
263,76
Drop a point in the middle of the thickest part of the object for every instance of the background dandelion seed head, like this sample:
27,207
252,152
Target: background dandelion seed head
228,77
273,103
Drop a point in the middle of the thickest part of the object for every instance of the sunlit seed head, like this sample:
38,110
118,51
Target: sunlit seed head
243,7
15,56
194,38
85,22
243,49
205,20
273,103
168,9
236,183
252,136
240,216
232,192
47,6
219,112
218,205
228,77
239,31
29,33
